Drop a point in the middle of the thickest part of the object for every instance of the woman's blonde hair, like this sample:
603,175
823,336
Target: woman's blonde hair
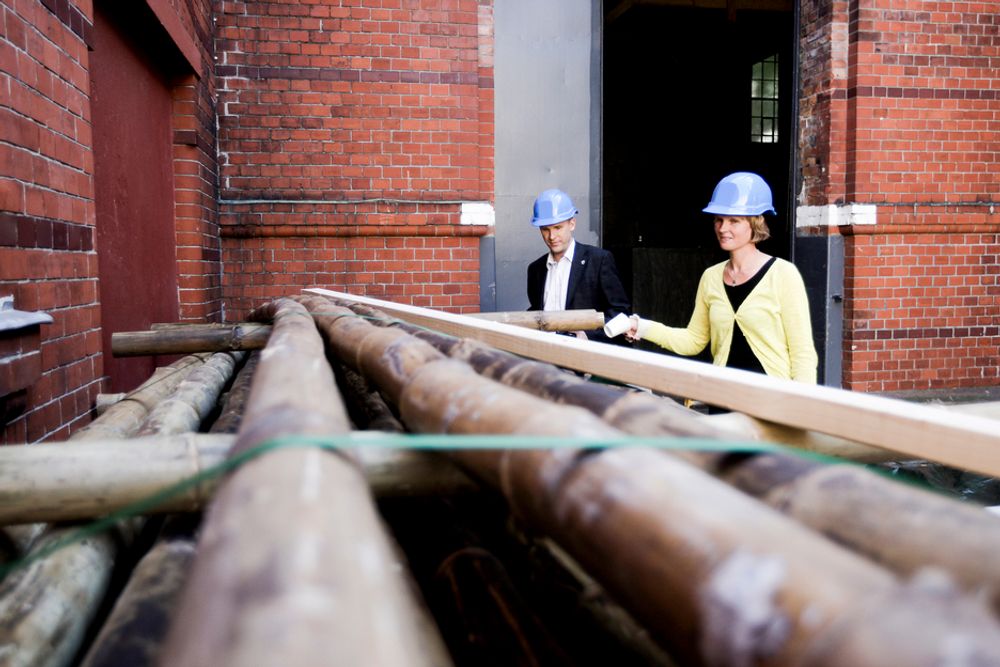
759,227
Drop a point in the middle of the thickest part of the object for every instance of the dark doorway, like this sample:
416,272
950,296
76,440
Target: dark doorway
681,110
134,191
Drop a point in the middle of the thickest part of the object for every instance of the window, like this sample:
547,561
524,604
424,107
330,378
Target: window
764,101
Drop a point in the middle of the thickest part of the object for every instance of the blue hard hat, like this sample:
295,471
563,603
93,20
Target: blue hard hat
742,193
552,207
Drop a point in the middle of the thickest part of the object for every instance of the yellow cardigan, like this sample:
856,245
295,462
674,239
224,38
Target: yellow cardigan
774,318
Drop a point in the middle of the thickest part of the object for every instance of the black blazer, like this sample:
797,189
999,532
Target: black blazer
593,284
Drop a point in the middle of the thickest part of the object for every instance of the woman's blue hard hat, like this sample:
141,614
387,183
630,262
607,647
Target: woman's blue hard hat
742,193
552,207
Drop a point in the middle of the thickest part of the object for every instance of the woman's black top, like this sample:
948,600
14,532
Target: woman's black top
740,354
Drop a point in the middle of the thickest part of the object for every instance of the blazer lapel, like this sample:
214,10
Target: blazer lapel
580,258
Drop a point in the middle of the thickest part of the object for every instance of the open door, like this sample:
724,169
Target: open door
692,91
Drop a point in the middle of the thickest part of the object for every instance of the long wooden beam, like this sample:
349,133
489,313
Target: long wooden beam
918,431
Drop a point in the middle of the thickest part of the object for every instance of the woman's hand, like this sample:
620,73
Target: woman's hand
632,335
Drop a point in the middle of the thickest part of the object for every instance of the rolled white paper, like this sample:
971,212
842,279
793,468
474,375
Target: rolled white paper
617,325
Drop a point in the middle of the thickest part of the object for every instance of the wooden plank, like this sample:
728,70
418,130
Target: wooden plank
920,431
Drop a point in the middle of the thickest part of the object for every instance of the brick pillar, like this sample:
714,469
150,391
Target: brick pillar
899,153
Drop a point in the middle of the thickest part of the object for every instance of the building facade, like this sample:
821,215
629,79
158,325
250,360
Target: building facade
187,160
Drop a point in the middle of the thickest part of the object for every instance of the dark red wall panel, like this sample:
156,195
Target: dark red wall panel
136,245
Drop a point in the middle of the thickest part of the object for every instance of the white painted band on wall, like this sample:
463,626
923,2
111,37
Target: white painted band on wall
833,215
477,213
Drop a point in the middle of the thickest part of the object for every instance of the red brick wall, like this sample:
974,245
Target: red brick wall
901,110
47,240
434,271
923,310
199,247
349,135
47,258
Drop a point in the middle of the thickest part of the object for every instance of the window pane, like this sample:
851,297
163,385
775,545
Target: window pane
764,101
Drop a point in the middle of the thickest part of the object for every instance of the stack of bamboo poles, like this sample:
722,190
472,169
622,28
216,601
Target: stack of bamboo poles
760,558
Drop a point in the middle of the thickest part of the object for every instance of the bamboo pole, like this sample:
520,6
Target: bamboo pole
350,338
188,339
16,541
396,472
77,480
105,401
194,398
293,566
904,527
138,623
713,553
46,607
231,415
547,320
569,580
124,418
721,548
158,326
365,405
910,530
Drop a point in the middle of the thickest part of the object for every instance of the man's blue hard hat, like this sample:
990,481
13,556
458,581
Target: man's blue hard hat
552,207
742,193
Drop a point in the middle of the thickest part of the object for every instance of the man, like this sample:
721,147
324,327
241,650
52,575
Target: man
573,275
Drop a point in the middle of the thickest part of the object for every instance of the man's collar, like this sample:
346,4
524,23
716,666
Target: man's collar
568,255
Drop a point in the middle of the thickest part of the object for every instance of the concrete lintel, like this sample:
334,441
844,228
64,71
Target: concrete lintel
477,213
835,215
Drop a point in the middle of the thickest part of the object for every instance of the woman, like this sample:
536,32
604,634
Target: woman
753,307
